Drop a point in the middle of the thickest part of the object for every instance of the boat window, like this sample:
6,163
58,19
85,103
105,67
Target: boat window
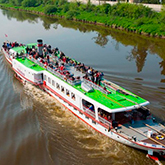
67,92
73,96
53,83
87,105
62,89
44,77
57,86
104,114
49,80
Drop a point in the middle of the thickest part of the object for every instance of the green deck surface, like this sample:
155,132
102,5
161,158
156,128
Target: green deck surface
22,48
30,64
114,100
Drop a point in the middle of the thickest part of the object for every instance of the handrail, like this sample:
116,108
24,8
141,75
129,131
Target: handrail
71,82
101,119
104,121
88,111
95,86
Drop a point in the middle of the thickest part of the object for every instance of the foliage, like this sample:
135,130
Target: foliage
50,9
62,2
65,7
29,3
105,8
141,21
3,1
163,14
133,17
150,1
131,11
18,2
71,14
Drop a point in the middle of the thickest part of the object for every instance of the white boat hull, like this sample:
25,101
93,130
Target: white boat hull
77,110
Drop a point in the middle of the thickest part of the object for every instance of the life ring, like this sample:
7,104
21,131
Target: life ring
160,137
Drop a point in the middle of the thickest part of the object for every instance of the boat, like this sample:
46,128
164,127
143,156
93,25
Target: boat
105,106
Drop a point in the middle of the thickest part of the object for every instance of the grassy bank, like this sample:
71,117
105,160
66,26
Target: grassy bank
129,17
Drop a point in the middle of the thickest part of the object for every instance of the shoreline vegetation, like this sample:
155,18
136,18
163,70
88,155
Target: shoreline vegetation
124,16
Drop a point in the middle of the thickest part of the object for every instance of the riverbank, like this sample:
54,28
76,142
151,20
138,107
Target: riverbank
154,7
133,18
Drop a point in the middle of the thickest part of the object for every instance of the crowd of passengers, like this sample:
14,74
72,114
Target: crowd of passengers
105,115
9,45
60,62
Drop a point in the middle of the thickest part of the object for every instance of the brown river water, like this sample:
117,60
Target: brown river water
35,129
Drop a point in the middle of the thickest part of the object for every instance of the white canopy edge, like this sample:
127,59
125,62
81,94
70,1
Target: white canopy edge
129,108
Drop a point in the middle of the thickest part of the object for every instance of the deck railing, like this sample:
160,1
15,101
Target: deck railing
95,86
101,119
89,112
104,121
61,76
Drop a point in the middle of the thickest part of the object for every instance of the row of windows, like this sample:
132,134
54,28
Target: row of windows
61,88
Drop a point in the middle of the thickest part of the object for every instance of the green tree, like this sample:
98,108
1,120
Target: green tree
71,14
65,7
162,13
29,3
4,1
18,2
50,9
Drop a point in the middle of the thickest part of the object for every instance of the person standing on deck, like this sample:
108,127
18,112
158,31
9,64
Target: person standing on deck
100,77
89,74
27,50
48,58
96,76
44,50
64,59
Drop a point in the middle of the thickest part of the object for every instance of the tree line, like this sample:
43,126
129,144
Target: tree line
34,3
132,17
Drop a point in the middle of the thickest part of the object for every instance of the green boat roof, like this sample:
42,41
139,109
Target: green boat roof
20,49
114,100
30,64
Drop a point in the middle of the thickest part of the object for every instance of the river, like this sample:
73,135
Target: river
36,130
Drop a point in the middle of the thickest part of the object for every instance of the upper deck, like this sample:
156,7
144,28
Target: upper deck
29,64
106,93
